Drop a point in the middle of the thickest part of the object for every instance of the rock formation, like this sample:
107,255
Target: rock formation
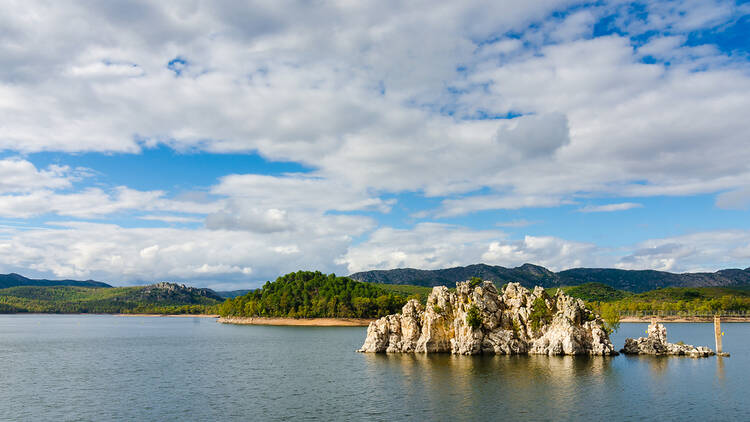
478,319
656,344
174,292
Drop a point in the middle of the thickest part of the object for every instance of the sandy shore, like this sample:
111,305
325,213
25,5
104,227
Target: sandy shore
171,315
683,319
311,322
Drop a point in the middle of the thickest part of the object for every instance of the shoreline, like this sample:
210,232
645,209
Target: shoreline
168,315
305,322
118,315
682,319
364,322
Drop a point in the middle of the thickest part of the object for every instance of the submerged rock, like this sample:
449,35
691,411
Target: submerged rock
479,319
656,344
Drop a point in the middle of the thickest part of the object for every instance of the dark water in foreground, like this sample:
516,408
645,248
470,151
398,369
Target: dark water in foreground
103,368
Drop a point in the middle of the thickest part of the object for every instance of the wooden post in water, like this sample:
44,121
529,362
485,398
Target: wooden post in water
717,334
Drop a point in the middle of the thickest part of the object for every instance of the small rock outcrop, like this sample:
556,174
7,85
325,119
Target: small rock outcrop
164,291
477,318
656,344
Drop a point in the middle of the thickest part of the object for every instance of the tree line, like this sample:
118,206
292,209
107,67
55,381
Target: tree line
307,294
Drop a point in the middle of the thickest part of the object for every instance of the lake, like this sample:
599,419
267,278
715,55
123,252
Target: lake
109,368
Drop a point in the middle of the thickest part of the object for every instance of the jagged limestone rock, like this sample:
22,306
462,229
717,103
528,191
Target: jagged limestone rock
514,321
656,344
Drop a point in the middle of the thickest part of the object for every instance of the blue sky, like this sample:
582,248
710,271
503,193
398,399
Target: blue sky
223,145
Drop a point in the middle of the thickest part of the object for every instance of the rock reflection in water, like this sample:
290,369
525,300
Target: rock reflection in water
511,384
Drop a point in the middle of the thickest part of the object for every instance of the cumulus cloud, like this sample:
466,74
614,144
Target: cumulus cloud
481,105
679,15
94,203
292,203
433,246
551,252
394,95
298,191
426,246
220,258
19,175
534,136
251,219
700,251
207,257
630,122
454,207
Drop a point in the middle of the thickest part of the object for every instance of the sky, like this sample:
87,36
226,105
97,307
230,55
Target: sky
222,143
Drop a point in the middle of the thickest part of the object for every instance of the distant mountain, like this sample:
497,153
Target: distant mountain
530,275
230,294
644,280
14,280
527,275
155,298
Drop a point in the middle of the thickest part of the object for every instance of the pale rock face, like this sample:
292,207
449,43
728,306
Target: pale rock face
656,344
506,324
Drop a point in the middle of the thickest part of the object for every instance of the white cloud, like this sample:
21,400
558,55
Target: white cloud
575,26
94,203
534,136
369,96
298,191
454,207
375,100
700,251
251,219
681,15
548,251
225,257
207,257
19,175
736,199
427,246
662,47
611,207
433,246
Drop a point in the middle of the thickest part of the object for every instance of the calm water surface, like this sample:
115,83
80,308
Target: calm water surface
103,368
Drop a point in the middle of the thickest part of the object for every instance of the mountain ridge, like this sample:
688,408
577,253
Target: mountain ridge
16,280
154,298
530,275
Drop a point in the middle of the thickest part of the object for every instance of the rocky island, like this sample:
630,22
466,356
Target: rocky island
656,344
477,318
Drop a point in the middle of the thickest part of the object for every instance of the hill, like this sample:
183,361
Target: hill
682,301
530,275
167,298
644,280
594,292
14,280
527,275
307,294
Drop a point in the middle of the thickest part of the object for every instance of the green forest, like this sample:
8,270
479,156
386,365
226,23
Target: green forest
307,294
68,299
683,301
